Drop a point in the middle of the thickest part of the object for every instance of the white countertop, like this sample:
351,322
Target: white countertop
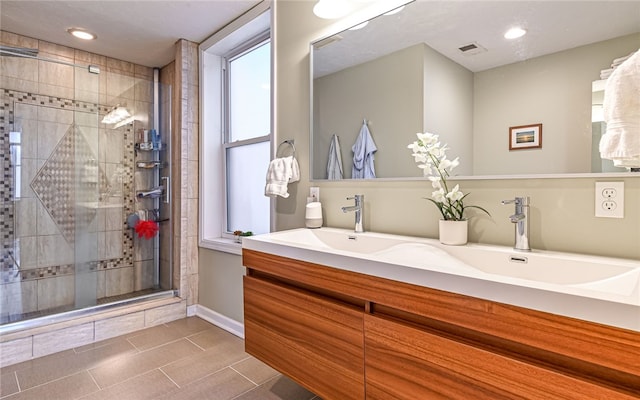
426,262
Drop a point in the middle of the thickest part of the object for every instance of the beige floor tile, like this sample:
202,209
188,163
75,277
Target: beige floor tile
149,386
189,326
58,365
213,337
70,387
154,337
210,361
278,388
125,367
8,383
223,385
255,370
31,363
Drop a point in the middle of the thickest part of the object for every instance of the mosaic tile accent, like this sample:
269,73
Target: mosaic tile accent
54,187
8,267
71,175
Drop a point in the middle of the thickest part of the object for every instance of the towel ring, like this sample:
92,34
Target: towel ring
290,143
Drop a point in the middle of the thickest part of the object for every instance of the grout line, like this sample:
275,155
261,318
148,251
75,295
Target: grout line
242,375
168,377
94,380
17,380
194,343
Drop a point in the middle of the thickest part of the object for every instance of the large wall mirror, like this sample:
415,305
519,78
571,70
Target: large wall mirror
445,67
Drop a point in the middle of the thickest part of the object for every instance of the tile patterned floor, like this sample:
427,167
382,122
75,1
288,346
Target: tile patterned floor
183,359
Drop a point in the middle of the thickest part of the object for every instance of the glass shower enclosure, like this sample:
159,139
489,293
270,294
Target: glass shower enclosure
71,184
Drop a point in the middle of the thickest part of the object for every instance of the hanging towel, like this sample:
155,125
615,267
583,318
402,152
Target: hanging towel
334,166
280,173
621,141
363,150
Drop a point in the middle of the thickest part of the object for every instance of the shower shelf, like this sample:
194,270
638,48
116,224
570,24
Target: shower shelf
148,146
150,164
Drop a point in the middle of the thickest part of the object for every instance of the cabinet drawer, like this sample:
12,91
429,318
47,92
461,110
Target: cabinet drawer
406,362
316,341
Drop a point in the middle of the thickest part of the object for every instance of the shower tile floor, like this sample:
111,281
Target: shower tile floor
184,359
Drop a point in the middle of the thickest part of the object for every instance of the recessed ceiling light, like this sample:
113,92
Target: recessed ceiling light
515,33
81,33
331,9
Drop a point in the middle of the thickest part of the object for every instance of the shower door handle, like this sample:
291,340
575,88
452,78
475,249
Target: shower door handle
166,182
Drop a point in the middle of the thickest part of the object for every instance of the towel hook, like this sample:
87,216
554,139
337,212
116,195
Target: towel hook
290,142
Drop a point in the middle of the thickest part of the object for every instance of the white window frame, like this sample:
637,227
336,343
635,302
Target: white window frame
212,216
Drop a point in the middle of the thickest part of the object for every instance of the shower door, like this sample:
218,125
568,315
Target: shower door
51,188
92,198
69,187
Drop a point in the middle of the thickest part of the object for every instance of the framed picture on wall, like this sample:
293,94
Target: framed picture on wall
525,137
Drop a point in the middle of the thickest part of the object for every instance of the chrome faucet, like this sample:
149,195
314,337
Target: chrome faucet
359,210
521,221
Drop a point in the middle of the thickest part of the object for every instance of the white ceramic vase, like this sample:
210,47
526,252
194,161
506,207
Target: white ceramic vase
453,232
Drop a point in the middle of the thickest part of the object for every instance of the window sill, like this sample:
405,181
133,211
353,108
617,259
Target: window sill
223,245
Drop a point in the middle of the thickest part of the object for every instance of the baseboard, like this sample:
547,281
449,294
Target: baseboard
219,320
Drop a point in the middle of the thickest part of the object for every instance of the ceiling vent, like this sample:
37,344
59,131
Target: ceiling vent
472,49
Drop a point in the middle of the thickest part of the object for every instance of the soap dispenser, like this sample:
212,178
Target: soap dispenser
313,215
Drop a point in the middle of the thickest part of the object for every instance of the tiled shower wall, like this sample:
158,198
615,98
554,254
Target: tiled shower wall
54,107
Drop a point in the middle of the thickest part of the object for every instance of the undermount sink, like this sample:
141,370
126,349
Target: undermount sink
402,257
334,239
551,267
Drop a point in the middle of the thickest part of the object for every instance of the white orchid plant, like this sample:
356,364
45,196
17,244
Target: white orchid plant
432,159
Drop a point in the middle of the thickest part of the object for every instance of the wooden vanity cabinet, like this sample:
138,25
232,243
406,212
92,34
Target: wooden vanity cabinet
409,362
316,341
345,335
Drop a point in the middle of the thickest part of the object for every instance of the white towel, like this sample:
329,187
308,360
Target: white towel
363,150
334,166
280,173
621,108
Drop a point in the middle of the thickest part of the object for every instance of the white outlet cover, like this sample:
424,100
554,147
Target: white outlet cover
609,199
314,191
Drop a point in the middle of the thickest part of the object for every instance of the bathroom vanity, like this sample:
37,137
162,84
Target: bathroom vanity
345,332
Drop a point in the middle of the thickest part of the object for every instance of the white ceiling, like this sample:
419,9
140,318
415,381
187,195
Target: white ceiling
143,32
446,25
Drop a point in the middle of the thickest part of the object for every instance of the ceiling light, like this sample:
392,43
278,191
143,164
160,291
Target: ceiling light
515,33
81,33
331,9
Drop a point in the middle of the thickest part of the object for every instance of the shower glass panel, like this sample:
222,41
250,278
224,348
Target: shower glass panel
91,194
70,184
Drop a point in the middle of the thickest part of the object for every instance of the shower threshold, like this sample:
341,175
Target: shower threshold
59,314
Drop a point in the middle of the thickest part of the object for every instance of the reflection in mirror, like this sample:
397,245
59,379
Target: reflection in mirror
445,67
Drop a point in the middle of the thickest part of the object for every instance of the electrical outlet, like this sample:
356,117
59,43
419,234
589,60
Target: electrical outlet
609,199
314,192
609,192
609,205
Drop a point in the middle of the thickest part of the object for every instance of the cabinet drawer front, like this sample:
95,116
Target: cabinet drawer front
315,341
406,362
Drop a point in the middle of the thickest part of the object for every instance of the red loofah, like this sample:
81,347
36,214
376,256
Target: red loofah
146,229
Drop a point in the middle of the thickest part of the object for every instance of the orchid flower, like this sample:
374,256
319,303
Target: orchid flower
430,155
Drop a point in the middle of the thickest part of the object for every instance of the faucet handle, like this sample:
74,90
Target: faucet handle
520,201
356,197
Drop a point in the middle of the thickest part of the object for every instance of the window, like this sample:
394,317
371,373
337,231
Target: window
235,134
247,138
